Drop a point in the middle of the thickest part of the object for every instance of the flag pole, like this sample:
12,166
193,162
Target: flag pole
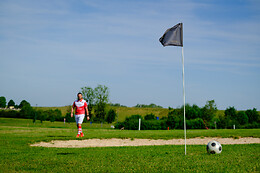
183,98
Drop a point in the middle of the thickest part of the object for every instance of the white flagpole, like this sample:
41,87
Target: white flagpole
183,99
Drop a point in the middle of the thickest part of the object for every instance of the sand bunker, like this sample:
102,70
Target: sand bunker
141,142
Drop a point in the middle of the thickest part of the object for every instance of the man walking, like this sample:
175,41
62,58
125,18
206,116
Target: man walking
81,108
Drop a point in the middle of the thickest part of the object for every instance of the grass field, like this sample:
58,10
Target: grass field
17,156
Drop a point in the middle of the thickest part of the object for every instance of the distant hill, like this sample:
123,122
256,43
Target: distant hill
123,112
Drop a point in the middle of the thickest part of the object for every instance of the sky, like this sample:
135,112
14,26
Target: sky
49,49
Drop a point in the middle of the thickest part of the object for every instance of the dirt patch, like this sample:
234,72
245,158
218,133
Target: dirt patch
114,142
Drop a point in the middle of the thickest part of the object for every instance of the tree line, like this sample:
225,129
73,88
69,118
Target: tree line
205,117
97,99
28,112
11,103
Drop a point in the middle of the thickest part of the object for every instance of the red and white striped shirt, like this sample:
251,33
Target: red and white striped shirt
80,106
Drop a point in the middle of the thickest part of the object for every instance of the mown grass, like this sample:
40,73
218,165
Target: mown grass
17,156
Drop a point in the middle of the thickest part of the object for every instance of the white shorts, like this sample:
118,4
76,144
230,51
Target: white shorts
79,118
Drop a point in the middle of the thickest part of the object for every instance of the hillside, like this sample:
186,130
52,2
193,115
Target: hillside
124,112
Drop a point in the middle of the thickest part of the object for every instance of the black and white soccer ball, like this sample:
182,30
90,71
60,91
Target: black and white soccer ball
214,147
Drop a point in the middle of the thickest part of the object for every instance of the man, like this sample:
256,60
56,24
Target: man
81,108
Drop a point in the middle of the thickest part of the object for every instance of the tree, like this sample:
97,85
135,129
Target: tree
11,103
89,95
192,112
152,105
209,110
69,119
242,118
101,93
150,116
27,112
231,112
253,115
175,119
23,103
111,116
41,115
2,102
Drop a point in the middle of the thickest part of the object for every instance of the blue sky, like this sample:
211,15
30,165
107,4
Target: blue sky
52,48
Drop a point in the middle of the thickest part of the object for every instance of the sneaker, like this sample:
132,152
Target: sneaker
77,136
81,135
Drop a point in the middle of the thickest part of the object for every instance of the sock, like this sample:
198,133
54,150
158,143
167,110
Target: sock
79,129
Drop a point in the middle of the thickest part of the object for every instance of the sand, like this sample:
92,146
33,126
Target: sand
114,142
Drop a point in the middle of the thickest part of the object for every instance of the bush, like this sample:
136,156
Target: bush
41,115
242,118
231,112
9,114
254,125
24,103
150,116
253,115
11,103
212,123
2,102
192,112
208,111
130,123
27,112
111,115
195,124
175,119
69,119
119,125
153,125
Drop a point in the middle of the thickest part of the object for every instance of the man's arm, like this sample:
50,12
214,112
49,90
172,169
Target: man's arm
72,110
87,113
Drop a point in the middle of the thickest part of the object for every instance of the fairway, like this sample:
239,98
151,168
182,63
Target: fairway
17,156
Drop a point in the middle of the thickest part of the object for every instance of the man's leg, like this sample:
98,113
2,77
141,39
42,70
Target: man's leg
77,120
80,130
81,118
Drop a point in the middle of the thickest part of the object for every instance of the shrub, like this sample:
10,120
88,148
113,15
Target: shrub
192,112
253,115
69,119
195,124
175,119
242,118
27,112
111,115
2,102
231,112
254,125
153,125
150,116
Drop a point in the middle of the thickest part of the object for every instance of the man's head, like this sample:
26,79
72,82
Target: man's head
79,96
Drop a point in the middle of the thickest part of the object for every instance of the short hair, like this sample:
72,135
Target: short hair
79,93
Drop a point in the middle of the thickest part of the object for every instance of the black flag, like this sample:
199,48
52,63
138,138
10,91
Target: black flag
173,36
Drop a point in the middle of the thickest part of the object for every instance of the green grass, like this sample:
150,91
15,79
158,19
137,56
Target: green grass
17,156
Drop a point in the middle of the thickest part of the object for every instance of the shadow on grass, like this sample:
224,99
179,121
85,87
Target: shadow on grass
65,153
57,127
58,136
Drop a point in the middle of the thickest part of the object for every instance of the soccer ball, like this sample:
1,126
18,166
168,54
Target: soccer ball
214,147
